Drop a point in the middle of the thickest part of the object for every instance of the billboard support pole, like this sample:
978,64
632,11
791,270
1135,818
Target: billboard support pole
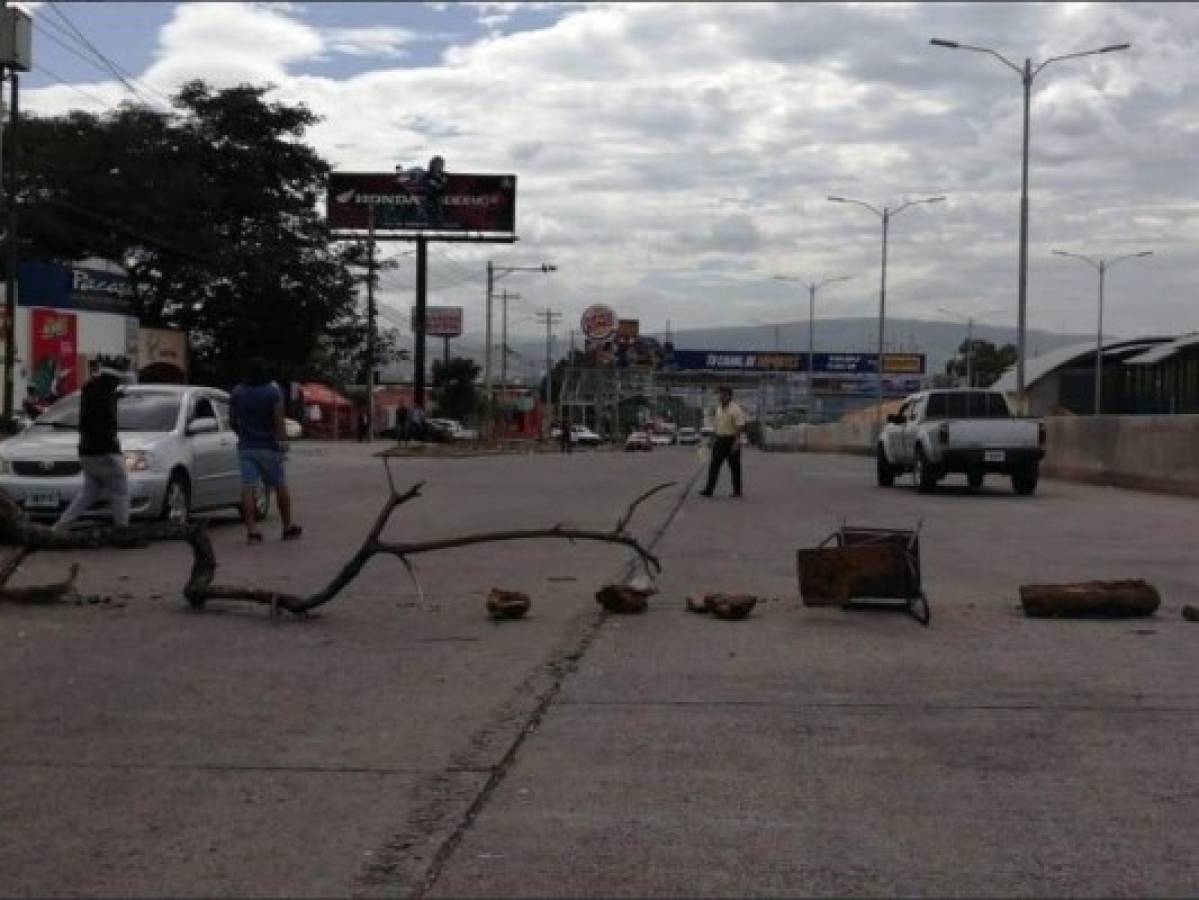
445,358
10,295
370,324
418,326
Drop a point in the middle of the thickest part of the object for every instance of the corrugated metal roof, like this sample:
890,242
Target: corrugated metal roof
1039,366
1163,352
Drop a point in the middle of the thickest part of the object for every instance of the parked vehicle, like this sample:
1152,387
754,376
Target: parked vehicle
661,439
294,429
180,454
451,430
579,434
936,433
638,440
688,436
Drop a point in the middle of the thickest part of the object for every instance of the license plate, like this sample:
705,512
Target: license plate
993,456
42,500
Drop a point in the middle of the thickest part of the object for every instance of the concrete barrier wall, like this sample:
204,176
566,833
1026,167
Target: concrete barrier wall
1154,453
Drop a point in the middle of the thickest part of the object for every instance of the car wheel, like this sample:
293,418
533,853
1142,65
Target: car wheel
886,475
177,502
1024,479
975,480
926,475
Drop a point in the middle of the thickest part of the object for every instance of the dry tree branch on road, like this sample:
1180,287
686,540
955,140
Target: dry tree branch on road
15,528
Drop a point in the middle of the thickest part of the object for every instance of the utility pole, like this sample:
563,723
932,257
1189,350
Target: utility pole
504,298
17,57
370,323
550,318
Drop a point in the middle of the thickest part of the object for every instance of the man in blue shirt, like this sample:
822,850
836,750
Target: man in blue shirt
256,410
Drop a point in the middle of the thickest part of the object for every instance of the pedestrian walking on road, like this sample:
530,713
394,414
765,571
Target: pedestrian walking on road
564,435
99,449
256,412
364,426
726,442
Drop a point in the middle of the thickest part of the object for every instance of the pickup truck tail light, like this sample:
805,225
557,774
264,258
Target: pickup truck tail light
1041,434
943,433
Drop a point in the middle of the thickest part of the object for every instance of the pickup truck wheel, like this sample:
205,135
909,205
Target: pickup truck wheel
886,475
926,475
1024,479
975,480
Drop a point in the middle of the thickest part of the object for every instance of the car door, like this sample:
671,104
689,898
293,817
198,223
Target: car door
893,435
208,451
230,481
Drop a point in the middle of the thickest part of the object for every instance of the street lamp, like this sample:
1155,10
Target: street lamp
1101,266
953,314
1027,74
813,287
886,214
494,274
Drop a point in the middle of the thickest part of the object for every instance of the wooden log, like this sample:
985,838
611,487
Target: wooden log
1103,599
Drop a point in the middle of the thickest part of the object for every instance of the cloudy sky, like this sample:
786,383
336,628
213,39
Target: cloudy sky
672,158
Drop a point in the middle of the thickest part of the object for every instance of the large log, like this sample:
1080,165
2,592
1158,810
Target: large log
1103,599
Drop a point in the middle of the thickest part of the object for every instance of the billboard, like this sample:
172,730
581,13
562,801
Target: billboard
53,352
422,201
162,346
628,330
755,361
441,321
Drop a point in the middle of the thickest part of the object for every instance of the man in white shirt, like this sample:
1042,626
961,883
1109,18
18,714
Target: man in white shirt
728,425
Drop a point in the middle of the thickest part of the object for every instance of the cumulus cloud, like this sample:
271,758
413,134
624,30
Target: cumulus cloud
652,141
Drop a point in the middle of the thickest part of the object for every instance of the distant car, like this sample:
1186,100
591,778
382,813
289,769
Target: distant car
707,431
579,434
451,430
180,454
688,436
294,429
661,439
638,440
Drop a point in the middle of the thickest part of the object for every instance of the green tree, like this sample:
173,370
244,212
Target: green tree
454,383
212,208
989,363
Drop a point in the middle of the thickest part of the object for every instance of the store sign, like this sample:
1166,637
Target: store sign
441,321
598,322
419,200
53,356
76,288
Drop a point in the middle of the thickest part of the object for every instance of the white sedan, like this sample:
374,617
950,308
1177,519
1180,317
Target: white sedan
180,454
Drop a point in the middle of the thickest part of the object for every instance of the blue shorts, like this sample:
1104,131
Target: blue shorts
260,464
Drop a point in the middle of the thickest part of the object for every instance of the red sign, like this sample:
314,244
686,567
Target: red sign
53,353
598,322
441,321
422,201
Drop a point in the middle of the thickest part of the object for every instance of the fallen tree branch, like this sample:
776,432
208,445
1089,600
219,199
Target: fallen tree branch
29,538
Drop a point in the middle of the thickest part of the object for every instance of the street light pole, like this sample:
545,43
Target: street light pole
886,214
813,287
1027,74
1101,266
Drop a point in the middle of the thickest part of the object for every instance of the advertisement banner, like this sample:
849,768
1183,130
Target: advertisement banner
628,330
162,346
54,344
422,201
441,321
765,361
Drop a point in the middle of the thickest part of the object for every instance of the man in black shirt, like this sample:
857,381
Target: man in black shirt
99,450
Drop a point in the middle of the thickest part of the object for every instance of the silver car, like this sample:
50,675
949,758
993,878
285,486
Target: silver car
180,454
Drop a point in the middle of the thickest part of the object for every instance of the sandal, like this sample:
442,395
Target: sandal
292,532
254,537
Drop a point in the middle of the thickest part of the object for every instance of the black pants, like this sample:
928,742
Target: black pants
725,448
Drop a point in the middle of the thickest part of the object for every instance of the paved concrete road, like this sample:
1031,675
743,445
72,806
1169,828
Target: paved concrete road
401,745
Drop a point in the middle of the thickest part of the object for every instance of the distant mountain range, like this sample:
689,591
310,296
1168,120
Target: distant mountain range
938,340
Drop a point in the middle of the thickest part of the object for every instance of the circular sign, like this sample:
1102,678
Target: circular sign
598,322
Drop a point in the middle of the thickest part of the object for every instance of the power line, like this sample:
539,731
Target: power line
78,55
67,84
119,73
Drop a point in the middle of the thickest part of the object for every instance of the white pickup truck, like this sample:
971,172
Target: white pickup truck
969,431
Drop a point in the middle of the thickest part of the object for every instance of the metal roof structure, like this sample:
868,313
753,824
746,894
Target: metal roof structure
1162,352
1047,363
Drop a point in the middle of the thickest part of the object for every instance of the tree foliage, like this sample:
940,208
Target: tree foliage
989,363
213,210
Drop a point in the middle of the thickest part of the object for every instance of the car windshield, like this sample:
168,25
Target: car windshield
136,411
